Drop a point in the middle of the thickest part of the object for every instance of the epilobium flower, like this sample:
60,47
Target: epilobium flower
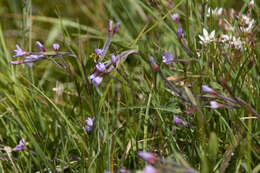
215,105
97,80
207,38
175,18
209,90
21,145
98,51
56,47
116,28
179,32
19,52
113,60
90,123
40,46
179,121
30,59
101,67
150,169
168,58
97,77
148,157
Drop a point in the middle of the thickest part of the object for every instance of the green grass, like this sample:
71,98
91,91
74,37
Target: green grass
135,114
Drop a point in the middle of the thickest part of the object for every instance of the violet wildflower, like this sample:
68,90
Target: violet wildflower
99,52
97,80
168,58
179,32
179,121
21,145
90,123
40,46
30,59
150,169
116,28
209,90
56,47
19,52
175,18
101,67
113,60
215,105
148,157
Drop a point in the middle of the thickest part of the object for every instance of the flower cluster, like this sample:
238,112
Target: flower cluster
32,57
101,69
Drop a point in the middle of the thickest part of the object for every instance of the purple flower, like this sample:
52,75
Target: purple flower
19,52
168,58
98,51
40,46
30,59
209,90
97,77
215,105
21,145
179,32
150,169
101,67
90,123
113,59
148,157
175,18
116,27
97,80
179,121
56,47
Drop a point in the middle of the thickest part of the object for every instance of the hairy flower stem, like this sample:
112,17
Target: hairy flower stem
174,88
105,47
241,102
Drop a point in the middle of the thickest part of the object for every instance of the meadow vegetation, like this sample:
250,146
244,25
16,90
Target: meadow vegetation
129,86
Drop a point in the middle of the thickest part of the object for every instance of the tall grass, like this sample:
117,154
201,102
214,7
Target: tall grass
134,105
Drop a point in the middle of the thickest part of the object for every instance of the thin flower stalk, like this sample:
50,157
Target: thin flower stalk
168,83
102,52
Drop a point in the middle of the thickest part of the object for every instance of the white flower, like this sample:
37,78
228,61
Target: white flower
237,43
216,12
251,4
247,24
207,38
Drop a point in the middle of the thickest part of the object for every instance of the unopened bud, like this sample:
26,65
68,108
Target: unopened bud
116,27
